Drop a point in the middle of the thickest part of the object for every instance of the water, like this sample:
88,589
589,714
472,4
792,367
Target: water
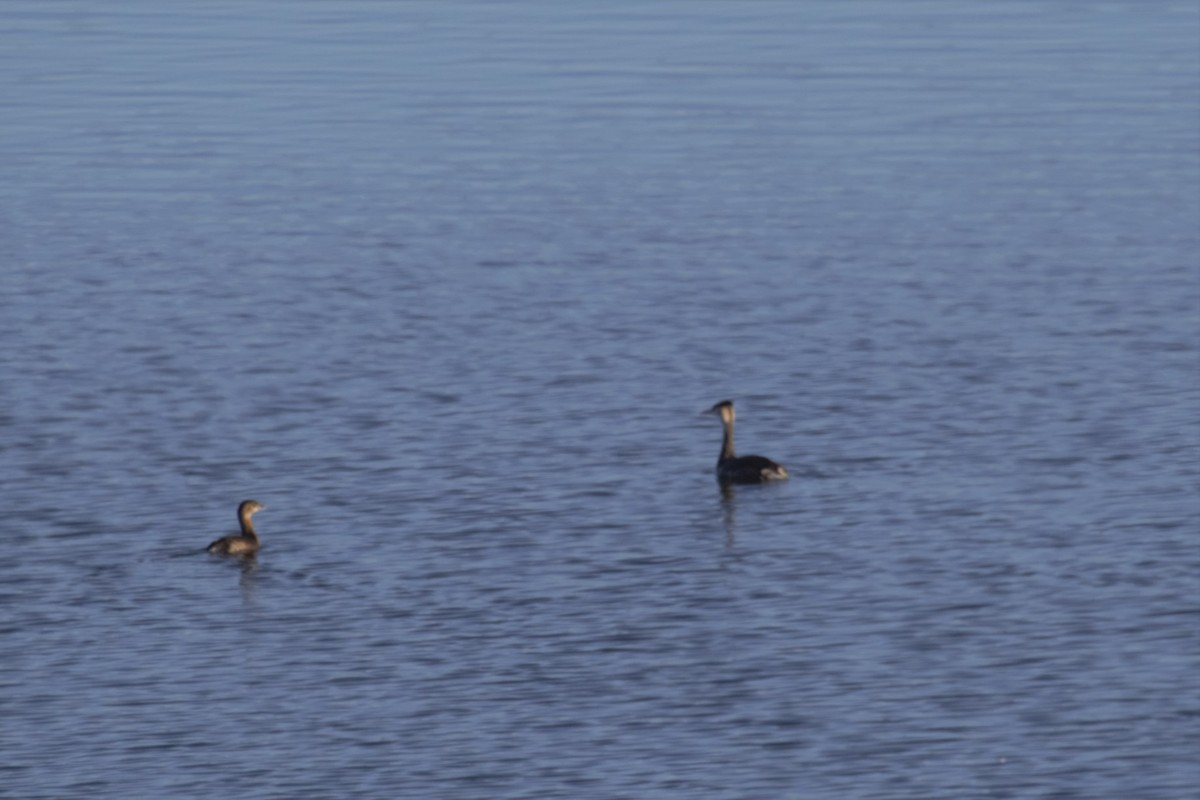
447,285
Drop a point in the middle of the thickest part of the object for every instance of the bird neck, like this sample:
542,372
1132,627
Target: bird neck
247,526
727,443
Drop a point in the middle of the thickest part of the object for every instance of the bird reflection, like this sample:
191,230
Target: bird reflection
248,582
728,511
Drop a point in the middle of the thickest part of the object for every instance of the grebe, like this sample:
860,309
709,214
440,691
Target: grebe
247,543
732,468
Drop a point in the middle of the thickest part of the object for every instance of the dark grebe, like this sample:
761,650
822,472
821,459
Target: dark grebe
247,543
744,469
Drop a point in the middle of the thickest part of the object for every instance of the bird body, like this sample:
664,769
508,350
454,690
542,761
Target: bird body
750,469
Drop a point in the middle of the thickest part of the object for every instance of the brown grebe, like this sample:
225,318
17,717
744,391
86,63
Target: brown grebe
245,544
732,468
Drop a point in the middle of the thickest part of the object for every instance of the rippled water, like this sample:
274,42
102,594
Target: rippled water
446,286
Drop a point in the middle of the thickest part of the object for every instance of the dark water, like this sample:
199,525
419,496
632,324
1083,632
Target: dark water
446,286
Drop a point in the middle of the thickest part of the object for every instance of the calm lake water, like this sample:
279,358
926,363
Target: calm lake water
446,286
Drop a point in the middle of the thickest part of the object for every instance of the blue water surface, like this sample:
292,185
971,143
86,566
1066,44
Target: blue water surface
446,286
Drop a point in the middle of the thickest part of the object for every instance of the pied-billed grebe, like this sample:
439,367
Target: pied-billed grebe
245,544
732,468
